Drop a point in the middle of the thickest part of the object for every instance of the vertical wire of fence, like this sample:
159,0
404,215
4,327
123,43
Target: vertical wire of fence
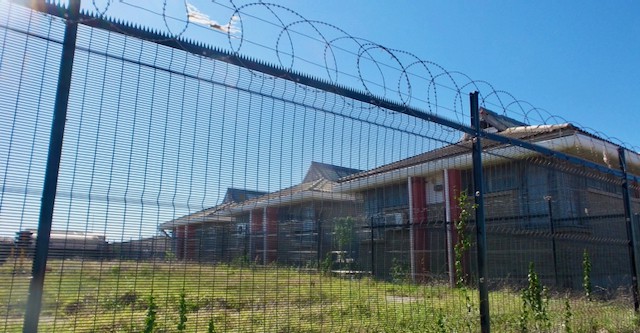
200,190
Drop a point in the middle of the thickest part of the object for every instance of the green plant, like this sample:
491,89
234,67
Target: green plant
325,264
210,326
115,270
441,323
169,255
241,261
182,311
567,316
586,274
523,321
399,272
463,244
535,302
150,319
344,232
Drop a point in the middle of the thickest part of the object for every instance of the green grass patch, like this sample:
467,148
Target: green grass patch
91,296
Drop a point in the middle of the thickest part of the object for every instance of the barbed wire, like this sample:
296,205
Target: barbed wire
416,82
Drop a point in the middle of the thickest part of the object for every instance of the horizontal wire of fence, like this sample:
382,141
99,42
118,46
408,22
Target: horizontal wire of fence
199,190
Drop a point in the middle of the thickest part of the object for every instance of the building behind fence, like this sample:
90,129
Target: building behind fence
180,155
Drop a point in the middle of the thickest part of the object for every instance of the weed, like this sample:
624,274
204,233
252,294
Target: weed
127,299
344,232
73,308
567,316
115,270
182,311
210,327
586,275
535,302
150,319
399,272
241,261
463,244
442,327
325,264
169,256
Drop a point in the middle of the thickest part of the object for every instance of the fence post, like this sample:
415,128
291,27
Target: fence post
627,217
481,236
34,301
373,248
548,198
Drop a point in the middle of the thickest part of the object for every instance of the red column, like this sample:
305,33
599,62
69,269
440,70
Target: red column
257,235
191,245
420,234
179,234
271,233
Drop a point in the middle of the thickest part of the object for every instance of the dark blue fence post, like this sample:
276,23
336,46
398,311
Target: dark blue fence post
36,286
548,198
627,217
481,236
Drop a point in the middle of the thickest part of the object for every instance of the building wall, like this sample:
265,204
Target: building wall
522,200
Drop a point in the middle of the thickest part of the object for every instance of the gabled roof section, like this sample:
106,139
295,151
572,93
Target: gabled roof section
490,119
317,185
236,195
325,171
212,214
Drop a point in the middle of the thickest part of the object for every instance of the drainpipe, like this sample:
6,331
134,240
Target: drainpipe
449,229
412,254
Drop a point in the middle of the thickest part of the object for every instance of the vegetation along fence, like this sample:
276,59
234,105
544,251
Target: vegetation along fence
190,176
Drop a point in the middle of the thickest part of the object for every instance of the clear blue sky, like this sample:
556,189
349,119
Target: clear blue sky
578,60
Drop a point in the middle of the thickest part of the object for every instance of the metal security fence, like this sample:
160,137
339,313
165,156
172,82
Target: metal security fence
151,182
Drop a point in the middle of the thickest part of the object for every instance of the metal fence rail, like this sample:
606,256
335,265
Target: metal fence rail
202,190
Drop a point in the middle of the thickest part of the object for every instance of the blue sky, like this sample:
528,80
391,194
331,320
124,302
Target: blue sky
137,155
577,60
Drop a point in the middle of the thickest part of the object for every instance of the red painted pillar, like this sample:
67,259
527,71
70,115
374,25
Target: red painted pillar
271,232
179,232
191,246
420,234
257,235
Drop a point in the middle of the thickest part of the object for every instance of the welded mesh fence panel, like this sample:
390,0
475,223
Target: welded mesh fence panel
28,89
557,232
183,175
196,193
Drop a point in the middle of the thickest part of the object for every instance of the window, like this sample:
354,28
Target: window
501,177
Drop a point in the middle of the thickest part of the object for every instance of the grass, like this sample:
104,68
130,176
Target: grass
91,296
